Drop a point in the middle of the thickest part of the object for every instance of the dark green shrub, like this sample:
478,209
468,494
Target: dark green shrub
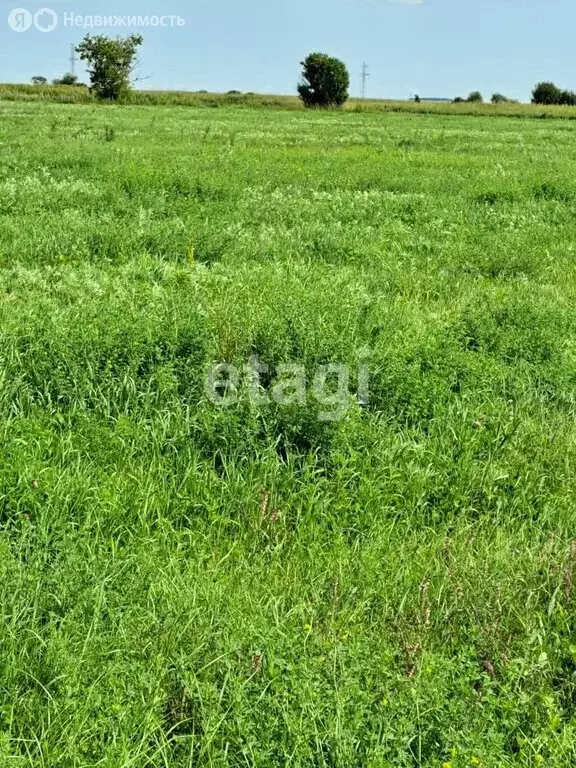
568,98
546,93
325,81
67,79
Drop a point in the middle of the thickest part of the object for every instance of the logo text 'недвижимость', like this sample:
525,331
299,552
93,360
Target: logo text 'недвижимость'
46,20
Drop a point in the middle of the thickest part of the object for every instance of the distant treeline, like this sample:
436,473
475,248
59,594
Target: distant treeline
67,94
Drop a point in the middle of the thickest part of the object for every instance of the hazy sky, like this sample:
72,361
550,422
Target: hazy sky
440,48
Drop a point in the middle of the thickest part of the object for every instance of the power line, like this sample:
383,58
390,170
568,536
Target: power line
73,59
365,75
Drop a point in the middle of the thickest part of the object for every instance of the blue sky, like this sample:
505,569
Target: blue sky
440,48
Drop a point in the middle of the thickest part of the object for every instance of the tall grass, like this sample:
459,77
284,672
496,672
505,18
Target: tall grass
79,95
188,585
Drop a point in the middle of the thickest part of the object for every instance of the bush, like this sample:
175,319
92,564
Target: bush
546,93
325,81
475,97
568,98
67,79
499,98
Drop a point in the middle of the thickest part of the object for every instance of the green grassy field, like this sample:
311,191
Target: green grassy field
183,584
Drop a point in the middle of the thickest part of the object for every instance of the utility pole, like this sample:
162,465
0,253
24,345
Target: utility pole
73,59
365,75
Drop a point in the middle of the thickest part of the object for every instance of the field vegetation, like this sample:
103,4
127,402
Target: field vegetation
76,94
188,585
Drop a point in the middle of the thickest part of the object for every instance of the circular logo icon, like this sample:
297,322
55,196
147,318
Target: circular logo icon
20,20
45,20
